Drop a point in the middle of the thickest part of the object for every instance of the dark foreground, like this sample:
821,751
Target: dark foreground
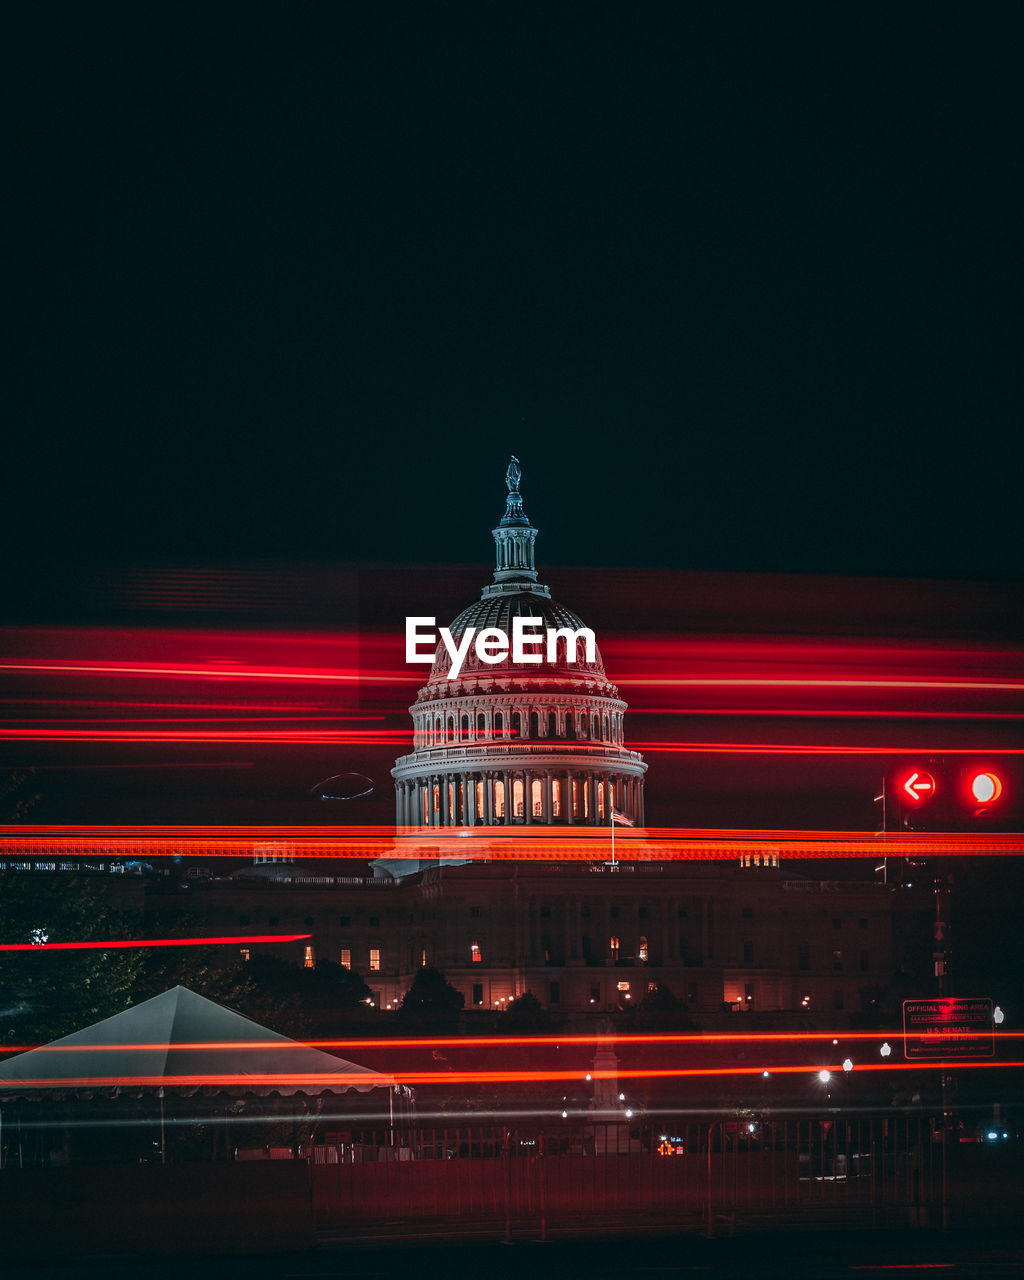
590,1252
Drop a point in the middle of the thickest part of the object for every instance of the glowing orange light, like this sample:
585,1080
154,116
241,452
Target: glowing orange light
517,844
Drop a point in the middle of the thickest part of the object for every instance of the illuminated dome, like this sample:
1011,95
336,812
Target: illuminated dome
498,611
509,743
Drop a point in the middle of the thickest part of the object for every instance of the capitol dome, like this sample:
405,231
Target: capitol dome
528,743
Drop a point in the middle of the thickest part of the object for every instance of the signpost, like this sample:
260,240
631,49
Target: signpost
949,1027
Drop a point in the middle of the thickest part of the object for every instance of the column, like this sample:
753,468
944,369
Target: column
471,814
547,798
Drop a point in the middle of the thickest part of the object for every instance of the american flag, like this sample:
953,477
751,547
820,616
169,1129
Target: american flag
621,819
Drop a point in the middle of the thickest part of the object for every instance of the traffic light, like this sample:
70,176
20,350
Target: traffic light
945,795
982,792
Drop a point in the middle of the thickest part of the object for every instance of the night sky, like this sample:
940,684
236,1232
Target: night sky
738,283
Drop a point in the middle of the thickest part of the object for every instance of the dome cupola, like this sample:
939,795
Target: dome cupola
509,741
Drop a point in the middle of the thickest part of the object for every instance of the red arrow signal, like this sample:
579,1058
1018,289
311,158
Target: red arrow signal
919,786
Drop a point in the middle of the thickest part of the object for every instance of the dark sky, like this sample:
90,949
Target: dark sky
739,283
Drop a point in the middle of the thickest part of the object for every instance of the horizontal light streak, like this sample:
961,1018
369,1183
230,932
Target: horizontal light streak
518,844
151,942
403,675
834,682
171,671
353,1079
364,737
626,1041
818,749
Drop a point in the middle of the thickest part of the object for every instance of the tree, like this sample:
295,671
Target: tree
431,1003
662,1010
16,795
46,994
525,1013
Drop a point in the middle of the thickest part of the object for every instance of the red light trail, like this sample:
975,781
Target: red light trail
352,1079
525,844
150,942
624,1042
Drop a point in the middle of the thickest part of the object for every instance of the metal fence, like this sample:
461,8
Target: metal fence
855,1170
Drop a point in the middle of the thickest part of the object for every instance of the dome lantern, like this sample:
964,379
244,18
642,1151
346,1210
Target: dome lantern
513,541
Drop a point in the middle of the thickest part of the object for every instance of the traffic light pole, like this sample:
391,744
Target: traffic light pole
941,956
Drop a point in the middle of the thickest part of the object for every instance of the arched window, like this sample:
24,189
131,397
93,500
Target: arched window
481,723
499,800
534,725
499,723
552,725
479,802
517,798
536,798
517,725
451,728
465,726
596,727
556,798
601,810
570,731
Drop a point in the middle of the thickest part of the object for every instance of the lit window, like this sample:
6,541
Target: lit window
536,799
643,950
423,958
517,797
622,986
308,961
474,951
499,797
613,946
346,957
837,959
375,960
244,953
556,798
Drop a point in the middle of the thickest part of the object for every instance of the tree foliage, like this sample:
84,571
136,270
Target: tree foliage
662,1010
431,1003
46,994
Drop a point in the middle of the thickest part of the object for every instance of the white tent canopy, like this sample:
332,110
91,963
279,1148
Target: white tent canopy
183,1041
